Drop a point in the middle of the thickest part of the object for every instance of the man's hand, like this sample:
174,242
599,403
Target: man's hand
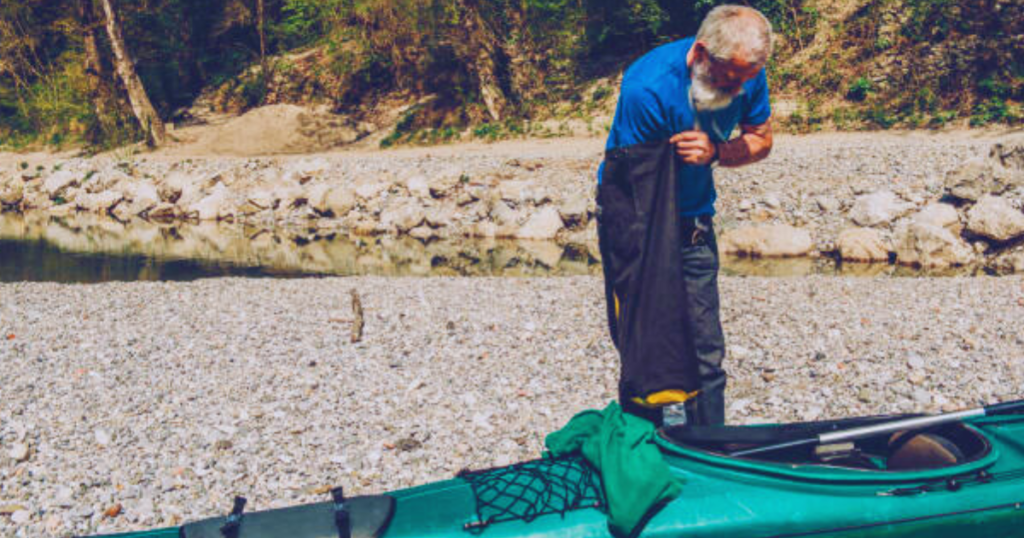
694,147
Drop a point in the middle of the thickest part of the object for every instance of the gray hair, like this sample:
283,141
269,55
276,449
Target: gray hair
731,30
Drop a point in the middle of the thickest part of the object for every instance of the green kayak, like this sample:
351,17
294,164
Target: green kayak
956,480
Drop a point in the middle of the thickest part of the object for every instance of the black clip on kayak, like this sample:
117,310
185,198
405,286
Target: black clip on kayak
887,427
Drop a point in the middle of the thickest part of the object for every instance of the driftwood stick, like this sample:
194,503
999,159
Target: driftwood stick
357,317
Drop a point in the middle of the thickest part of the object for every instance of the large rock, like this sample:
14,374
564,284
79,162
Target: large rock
105,180
141,197
403,217
522,191
316,196
862,245
544,224
927,245
438,217
443,185
302,171
59,182
941,215
997,173
214,206
101,202
11,193
371,189
418,186
575,210
504,215
1011,262
262,198
36,199
339,201
775,240
878,208
185,189
994,218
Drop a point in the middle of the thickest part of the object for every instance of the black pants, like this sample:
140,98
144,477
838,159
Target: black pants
700,276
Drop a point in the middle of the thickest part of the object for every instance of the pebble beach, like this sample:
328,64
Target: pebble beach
128,406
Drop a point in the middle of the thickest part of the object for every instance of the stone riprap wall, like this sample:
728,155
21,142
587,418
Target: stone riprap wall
931,202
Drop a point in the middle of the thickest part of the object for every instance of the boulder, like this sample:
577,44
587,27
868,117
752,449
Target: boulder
544,224
862,245
140,197
288,196
402,217
105,180
316,196
1008,153
504,215
301,171
262,198
36,200
442,186
995,174
575,210
941,215
828,204
185,189
101,202
368,190
59,182
11,193
214,206
1011,262
418,186
878,208
928,245
339,201
521,191
438,217
775,240
994,218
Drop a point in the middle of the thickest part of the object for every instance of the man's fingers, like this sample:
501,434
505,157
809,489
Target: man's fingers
686,135
695,144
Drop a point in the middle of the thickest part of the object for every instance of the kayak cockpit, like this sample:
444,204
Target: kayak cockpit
940,447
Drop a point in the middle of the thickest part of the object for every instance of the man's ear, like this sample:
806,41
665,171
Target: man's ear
698,53
700,50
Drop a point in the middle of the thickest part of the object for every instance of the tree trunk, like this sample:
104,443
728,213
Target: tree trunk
141,106
95,77
260,24
479,50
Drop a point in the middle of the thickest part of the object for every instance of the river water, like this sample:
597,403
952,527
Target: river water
88,248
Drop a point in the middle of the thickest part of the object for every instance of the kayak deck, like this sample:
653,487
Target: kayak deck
758,498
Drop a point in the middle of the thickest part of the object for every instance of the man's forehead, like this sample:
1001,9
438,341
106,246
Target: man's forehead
738,65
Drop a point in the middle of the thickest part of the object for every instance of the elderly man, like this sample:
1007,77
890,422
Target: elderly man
677,109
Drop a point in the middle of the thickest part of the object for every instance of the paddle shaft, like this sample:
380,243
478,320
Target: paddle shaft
862,432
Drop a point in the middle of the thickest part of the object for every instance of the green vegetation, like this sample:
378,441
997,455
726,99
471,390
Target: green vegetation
496,68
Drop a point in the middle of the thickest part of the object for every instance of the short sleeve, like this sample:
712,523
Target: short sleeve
759,108
639,118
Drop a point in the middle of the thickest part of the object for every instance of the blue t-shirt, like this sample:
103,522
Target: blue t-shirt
654,104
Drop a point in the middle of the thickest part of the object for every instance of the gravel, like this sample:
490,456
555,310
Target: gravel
133,405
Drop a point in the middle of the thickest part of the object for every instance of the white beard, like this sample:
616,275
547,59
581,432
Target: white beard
706,97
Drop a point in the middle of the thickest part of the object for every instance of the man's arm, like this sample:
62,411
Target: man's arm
753,144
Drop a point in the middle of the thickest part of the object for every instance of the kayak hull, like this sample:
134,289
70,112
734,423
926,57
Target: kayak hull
730,497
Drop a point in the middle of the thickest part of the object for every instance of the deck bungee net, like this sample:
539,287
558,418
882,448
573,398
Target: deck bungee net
528,490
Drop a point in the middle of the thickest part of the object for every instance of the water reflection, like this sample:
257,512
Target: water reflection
89,248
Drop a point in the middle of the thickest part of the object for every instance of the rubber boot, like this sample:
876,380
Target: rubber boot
708,408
